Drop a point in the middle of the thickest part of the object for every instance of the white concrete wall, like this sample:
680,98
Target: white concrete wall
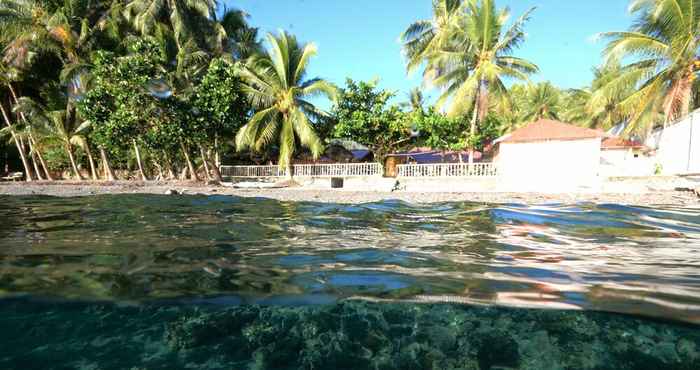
550,166
353,183
678,146
623,163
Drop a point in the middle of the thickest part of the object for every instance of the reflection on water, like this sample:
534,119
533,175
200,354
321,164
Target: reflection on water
223,250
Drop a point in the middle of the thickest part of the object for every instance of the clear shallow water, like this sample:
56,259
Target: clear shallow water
174,280
228,250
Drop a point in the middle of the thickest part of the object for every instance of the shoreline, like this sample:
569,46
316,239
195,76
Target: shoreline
300,194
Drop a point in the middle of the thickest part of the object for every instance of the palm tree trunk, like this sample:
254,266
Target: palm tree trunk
32,143
472,130
91,160
32,156
209,166
190,165
20,147
108,173
159,168
204,163
168,166
217,157
290,170
216,171
69,150
138,161
41,159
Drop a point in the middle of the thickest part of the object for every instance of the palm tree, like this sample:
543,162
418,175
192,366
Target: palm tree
416,100
183,16
662,51
60,126
27,28
276,86
471,64
543,101
423,38
596,106
70,31
12,128
241,39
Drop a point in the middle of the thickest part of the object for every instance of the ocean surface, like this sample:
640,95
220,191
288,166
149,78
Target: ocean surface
218,282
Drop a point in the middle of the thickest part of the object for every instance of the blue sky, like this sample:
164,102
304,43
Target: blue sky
359,38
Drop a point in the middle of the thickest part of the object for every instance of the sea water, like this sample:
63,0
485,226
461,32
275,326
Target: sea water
197,282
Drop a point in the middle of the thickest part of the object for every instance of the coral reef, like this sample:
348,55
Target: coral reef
346,335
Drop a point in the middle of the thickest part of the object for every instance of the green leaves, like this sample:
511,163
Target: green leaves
467,53
221,108
363,114
660,51
120,106
275,85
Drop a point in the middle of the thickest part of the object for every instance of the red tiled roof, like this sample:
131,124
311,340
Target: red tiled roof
620,143
546,130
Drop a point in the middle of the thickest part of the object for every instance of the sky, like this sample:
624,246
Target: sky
360,38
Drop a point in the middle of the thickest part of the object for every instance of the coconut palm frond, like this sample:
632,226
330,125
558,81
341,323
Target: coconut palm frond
275,85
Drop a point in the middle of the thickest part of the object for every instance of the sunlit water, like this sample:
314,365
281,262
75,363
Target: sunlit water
218,282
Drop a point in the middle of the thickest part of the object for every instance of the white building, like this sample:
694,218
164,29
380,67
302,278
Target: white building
625,158
678,146
549,156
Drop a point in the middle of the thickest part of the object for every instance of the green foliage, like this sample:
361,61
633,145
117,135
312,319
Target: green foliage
56,157
221,107
440,132
659,56
490,130
121,106
278,90
363,114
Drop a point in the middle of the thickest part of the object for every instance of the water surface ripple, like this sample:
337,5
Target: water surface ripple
228,250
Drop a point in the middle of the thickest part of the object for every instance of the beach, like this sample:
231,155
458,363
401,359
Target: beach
300,194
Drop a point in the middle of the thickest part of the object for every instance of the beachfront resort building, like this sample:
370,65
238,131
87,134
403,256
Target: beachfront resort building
625,158
677,147
549,155
543,156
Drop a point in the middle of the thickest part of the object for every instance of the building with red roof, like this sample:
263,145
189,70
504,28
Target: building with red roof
621,157
549,155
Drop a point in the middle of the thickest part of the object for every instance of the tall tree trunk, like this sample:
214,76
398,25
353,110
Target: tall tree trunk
216,171
168,166
32,157
472,129
108,173
91,160
159,168
190,165
20,148
32,143
69,150
138,160
209,166
204,163
41,159
170,172
217,157
290,170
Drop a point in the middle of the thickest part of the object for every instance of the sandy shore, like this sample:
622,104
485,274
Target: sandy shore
70,189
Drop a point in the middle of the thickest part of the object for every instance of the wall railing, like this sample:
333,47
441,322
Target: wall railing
305,170
448,170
